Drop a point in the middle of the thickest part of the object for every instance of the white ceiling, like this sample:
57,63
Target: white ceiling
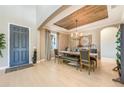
115,17
44,11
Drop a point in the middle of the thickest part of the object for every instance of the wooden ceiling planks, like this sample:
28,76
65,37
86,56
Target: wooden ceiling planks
85,15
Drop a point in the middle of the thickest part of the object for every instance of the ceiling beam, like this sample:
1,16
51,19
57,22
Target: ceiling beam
62,8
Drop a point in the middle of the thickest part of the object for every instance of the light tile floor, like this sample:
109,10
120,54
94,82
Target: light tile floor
53,74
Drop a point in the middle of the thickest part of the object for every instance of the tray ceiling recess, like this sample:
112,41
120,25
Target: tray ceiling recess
85,15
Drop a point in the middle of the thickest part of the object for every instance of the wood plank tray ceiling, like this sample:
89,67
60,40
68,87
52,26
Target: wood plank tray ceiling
85,15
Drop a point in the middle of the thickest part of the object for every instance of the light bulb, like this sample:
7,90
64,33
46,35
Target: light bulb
81,34
72,35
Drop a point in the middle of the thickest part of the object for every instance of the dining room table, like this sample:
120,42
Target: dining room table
77,53
72,53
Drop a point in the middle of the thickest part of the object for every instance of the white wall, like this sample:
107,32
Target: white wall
21,15
108,45
95,37
44,11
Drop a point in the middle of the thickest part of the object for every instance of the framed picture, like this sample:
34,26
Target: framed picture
85,41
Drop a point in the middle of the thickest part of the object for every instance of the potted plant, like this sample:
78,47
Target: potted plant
2,43
34,58
118,55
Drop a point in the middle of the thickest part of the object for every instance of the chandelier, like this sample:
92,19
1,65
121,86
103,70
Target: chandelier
76,35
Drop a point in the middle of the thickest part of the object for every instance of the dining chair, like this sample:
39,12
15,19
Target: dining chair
85,60
57,55
94,50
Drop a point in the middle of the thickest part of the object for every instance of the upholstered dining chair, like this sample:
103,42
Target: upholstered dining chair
85,60
94,50
57,56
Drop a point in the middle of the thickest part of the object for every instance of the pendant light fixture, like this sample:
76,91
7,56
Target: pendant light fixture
75,35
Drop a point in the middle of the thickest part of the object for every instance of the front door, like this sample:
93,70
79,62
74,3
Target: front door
19,45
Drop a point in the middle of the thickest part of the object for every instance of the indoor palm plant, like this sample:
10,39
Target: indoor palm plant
2,43
118,55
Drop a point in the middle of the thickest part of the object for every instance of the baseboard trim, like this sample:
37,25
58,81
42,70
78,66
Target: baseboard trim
42,60
6,67
108,59
3,68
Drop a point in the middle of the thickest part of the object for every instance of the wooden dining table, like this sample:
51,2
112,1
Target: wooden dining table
92,55
77,53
